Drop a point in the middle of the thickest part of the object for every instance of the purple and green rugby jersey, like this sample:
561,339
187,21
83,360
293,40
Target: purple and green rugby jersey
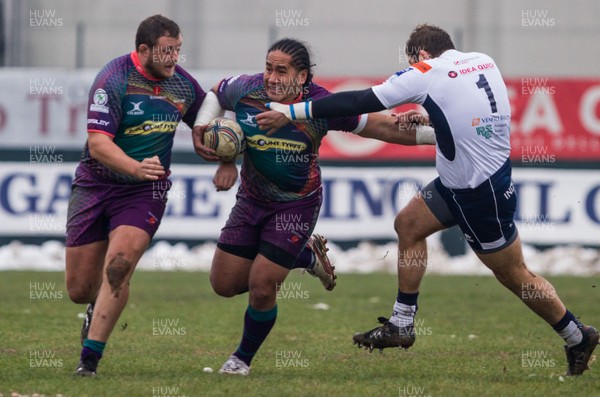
139,112
285,165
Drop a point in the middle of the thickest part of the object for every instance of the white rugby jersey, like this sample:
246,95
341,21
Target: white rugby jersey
468,106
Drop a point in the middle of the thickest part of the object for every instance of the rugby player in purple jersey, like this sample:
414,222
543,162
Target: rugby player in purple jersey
268,232
120,189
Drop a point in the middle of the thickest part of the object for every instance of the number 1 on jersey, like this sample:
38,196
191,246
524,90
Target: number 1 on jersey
483,83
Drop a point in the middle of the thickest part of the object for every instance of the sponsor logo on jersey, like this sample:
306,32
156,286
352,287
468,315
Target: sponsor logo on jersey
476,121
99,122
463,61
485,131
496,118
151,127
401,72
263,142
136,111
452,74
100,99
477,68
249,120
228,81
422,67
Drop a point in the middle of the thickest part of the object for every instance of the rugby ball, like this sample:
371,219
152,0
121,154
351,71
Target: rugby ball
225,137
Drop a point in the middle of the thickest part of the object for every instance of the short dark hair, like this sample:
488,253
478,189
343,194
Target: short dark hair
154,27
299,53
430,38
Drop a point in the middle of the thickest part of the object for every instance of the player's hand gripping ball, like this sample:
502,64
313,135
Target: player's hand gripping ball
226,137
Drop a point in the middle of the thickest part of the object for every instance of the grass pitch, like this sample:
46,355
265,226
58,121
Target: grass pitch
474,339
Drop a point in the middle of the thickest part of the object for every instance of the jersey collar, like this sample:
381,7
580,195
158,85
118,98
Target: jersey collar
138,65
298,99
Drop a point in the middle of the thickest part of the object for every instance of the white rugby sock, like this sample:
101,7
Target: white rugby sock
403,314
571,334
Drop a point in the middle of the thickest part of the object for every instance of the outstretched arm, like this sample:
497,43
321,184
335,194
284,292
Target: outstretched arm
409,128
347,103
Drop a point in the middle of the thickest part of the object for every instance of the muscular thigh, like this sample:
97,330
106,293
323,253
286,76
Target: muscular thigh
84,265
507,259
425,214
229,273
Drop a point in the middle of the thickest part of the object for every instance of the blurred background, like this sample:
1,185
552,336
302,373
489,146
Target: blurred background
51,50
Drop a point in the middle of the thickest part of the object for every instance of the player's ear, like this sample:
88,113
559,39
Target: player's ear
302,76
424,55
143,49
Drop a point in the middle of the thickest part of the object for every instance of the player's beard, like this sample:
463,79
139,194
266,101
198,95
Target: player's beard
157,72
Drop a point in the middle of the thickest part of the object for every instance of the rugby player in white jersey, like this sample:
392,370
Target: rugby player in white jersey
467,102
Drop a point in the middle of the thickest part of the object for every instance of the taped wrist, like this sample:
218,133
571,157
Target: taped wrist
425,135
210,109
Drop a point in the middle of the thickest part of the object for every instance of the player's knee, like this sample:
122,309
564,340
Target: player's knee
79,293
221,288
262,297
405,226
117,271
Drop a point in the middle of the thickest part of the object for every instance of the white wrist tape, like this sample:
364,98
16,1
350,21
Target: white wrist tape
301,110
297,111
209,110
425,135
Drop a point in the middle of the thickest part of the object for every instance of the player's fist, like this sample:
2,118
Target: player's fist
411,117
226,176
150,169
271,120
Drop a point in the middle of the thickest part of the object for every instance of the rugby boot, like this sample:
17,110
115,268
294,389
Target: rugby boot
322,268
386,335
234,366
578,356
87,365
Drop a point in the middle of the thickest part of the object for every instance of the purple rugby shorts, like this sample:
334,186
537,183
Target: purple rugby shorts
97,207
